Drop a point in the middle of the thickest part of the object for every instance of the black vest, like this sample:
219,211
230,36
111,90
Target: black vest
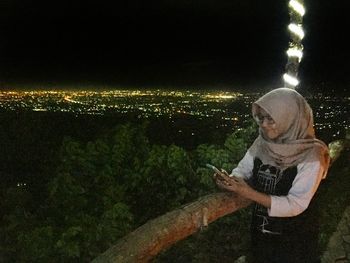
271,180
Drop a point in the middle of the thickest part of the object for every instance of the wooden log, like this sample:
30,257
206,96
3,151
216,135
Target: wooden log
160,233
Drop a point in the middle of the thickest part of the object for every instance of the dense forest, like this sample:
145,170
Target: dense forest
71,186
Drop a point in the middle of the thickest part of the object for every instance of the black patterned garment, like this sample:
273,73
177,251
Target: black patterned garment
287,232
291,190
270,180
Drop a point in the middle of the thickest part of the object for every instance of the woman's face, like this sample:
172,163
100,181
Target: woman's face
267,124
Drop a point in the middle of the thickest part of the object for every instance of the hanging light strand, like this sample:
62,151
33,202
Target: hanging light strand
295,49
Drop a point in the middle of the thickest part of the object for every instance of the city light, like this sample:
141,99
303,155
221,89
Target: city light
215,105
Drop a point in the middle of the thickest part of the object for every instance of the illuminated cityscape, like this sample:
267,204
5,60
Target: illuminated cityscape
227,108
151,103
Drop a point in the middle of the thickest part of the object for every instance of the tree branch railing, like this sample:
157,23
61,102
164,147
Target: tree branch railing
160,233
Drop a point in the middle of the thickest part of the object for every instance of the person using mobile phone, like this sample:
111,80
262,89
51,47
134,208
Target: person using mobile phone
281,172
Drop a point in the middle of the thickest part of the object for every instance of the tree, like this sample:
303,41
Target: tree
102,189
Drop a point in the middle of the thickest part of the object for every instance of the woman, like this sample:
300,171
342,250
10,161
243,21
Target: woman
281,172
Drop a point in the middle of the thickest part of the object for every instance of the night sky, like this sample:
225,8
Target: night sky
169,42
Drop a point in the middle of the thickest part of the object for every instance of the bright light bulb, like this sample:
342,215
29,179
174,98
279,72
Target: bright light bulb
299,8
294,52
290,80
297,29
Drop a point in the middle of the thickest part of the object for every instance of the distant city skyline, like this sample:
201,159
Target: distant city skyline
227,109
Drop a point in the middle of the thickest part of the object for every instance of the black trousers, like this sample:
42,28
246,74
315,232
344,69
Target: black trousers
285,248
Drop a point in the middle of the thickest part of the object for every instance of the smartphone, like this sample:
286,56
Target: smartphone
216,170
222,176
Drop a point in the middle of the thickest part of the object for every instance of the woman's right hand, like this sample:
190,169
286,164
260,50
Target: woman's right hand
221,180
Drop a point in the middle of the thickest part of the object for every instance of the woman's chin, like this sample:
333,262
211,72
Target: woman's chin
270,135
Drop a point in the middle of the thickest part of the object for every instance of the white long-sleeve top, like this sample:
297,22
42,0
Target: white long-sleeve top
305,184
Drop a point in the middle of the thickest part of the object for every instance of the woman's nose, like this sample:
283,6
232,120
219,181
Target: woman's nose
264,123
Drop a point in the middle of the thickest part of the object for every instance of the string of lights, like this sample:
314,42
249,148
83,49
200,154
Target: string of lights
295,47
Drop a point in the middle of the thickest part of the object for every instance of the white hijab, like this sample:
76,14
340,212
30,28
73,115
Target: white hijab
296,142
